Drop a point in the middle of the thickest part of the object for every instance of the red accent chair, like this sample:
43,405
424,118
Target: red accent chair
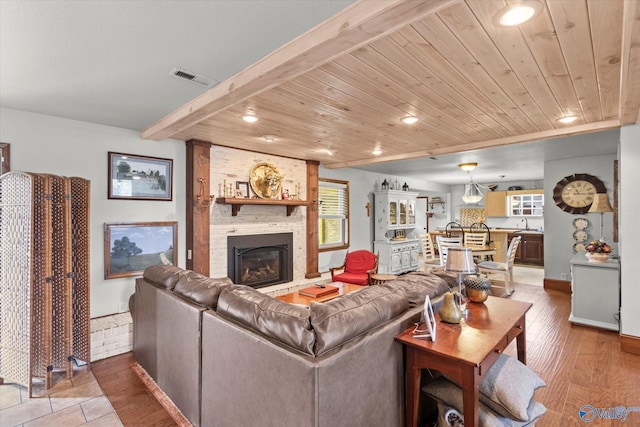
358,267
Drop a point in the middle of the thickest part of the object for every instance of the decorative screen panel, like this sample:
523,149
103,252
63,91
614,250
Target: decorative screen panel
16,204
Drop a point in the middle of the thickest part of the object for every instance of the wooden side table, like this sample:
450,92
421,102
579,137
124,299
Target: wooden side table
464,351
379,279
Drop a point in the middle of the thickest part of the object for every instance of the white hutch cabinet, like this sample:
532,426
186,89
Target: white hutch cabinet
395,221
595,292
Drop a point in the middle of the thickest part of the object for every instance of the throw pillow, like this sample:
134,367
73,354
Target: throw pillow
508,387
448,393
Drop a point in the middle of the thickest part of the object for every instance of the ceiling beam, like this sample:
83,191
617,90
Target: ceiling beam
535,136
352,28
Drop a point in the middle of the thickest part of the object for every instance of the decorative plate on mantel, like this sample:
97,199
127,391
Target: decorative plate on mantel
266,180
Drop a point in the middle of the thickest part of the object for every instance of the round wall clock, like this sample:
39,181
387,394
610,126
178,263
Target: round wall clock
575,193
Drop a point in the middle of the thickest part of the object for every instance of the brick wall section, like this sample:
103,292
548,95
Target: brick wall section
111,335
229,165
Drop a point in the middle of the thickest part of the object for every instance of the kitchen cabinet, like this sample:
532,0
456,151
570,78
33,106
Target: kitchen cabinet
531,248
495,203
395,221
595,292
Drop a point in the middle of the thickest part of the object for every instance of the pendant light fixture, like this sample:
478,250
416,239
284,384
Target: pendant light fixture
472,193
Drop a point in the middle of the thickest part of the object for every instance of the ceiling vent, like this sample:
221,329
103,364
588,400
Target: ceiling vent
193,77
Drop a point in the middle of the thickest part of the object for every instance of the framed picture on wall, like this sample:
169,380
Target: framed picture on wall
242,189
136,177
129,248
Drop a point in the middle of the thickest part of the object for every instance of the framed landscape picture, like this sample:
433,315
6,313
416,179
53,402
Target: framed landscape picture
129,248
136,177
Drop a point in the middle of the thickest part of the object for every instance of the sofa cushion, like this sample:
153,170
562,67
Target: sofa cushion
287,323
201,289
341,319
166,276
417,285
450,278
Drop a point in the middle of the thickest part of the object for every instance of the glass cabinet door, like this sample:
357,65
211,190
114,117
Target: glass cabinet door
411,212
393,212
403,212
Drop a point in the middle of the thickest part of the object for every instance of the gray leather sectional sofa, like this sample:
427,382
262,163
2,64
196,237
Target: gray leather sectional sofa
228,355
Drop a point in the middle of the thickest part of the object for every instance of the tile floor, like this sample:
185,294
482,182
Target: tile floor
75,402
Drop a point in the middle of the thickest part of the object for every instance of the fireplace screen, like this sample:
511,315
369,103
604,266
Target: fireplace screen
260,266
260,260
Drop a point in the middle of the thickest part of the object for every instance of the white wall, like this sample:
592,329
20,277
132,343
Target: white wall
361,187
629,230
47,144
558,250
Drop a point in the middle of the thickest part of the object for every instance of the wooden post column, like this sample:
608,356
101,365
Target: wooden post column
312,219
198,203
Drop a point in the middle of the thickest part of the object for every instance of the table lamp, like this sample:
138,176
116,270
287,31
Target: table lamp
460,261
600,205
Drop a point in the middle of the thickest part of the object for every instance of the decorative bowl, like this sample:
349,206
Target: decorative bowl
478,288
597,257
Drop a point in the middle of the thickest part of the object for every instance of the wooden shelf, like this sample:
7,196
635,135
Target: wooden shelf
237,203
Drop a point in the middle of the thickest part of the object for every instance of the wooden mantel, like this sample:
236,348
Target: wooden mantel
237,203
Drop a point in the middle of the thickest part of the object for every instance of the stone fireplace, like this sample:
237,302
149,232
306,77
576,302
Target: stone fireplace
260,260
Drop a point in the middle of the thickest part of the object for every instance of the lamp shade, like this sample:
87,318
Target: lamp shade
601,203
459,260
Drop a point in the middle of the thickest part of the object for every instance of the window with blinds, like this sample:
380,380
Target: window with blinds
333,214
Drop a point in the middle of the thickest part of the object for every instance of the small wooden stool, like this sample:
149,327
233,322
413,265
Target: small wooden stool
379,279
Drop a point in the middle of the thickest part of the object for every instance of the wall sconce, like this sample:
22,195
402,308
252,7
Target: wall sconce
202,198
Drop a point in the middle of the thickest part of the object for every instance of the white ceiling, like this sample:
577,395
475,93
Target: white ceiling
108,62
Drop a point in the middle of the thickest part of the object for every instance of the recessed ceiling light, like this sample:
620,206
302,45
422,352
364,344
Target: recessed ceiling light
568,119
376,151
517,13
269,138
327,151
409,120
249,118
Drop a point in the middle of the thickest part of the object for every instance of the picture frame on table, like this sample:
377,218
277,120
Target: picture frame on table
135,177
129,248
429,319
242,189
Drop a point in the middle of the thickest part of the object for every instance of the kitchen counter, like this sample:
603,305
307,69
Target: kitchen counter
500,242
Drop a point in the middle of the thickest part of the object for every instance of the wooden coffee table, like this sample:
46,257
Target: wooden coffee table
296,298
465,351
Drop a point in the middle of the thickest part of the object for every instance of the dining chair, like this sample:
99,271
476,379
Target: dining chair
503,268
428,252
454,229
444,243
477,241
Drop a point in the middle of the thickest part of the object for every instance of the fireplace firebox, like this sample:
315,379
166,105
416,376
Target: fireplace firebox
260,260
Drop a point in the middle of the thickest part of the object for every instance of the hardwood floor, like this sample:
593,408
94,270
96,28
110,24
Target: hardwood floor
131,400
581,365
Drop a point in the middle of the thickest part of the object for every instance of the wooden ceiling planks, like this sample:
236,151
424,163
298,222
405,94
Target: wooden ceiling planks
345,85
